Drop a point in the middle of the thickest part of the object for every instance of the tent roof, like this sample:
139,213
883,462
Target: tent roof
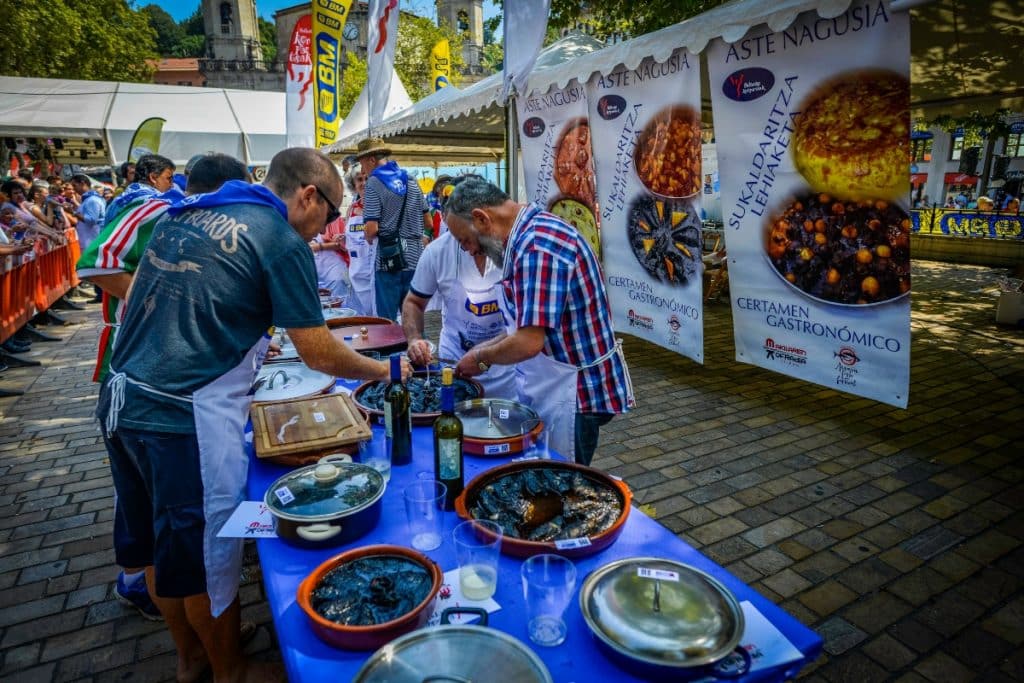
959,63
247,124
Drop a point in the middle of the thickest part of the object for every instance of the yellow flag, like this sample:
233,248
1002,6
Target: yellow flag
329,18
441,64
146,139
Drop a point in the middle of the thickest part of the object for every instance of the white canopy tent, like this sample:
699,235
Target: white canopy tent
359,116
249,125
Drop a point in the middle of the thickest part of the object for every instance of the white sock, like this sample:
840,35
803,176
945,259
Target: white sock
132,579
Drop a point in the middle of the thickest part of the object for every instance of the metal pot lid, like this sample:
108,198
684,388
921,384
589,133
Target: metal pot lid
323,491
661,612
453,653
282,381
493,418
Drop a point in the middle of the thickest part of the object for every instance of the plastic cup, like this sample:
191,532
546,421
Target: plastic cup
477,548
374,452
549,582
424,505
534,445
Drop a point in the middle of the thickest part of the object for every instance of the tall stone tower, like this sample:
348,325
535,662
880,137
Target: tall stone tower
467,17
234,55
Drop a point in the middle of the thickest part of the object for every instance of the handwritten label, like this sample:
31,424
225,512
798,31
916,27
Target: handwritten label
503,413
659,574
285,495
319,417
496,449
570,543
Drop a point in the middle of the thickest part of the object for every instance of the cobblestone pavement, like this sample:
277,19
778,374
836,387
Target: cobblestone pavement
895,534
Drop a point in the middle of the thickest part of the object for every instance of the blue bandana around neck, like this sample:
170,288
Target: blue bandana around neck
130,194
231,192
181,180
393,177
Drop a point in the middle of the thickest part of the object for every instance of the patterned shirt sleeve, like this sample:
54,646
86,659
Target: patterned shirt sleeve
541,287
372,199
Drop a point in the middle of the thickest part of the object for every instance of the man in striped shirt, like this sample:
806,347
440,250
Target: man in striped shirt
556,300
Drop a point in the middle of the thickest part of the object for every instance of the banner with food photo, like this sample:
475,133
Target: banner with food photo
649,186
558,160
812,125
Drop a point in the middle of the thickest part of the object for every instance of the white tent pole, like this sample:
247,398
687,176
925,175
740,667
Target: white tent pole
106,127
246,156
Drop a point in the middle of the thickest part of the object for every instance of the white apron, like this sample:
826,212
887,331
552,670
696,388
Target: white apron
220,410
473,314
361,268
331,271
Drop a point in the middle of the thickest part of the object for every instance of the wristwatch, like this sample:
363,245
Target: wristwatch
484,367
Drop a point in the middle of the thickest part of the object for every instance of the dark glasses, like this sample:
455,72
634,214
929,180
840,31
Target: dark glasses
332,210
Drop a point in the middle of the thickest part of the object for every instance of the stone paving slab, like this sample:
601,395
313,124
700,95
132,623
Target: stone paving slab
898,535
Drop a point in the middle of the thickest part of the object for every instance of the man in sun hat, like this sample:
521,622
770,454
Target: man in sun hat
397,215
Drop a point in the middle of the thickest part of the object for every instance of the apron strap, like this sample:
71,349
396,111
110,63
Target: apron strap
117,382
617,349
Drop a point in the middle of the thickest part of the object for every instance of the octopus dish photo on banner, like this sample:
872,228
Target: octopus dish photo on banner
558,158
649,190
812,129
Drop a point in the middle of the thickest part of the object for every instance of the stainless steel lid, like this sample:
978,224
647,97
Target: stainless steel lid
461,654
662,612
493,418
281,381
325,490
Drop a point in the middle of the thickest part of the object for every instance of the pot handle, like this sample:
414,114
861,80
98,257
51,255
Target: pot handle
735,664
447,612
317,532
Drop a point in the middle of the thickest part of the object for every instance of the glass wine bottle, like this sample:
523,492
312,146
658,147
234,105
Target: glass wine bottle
448,443
398,416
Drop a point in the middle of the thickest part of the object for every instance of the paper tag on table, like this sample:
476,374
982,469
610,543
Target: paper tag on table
451,595
251,519
765,644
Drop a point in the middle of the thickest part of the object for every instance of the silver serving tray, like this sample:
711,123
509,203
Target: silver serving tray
493,418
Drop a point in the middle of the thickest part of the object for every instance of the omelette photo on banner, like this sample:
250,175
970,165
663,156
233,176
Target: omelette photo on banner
649,196
558,159
813,135
329,18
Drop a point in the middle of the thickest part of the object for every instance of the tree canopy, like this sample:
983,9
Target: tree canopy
627,19
102,40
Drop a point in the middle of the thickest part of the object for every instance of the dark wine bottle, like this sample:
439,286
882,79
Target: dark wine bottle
398,416
448,443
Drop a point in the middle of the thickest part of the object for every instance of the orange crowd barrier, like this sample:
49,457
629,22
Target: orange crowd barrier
31,282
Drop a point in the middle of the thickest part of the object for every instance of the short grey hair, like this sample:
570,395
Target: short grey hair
354,171
473,193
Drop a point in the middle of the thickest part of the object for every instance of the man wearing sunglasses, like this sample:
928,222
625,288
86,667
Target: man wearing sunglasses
219,271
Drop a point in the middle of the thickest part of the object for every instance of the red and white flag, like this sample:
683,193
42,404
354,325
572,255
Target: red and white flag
383,30
299,85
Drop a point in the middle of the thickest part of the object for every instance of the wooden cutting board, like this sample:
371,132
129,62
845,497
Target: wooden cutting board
303,425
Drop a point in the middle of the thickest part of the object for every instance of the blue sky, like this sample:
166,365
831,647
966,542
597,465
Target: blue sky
182,9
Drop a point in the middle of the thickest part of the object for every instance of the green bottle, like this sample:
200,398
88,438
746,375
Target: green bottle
398,416
448,443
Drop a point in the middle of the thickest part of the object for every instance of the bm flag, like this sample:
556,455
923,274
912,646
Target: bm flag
441,65
328,19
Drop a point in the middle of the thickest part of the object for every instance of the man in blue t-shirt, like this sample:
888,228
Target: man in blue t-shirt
219,271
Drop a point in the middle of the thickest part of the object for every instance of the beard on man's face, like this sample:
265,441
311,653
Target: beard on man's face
493,249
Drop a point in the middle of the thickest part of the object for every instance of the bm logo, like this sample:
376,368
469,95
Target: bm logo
483,308
327,76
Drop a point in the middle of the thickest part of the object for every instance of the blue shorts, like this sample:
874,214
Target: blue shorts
158,518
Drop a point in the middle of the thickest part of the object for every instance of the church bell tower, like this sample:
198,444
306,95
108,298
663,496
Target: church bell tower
466,17
232,31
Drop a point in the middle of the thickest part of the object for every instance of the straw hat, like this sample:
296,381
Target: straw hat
372,146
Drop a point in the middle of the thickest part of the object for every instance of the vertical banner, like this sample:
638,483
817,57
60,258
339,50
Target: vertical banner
328,19
558,158
813,131
649,193
527,22
146,139
299,84
383,20
441,64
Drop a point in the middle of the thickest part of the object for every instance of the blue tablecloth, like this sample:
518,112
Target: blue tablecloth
577,659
